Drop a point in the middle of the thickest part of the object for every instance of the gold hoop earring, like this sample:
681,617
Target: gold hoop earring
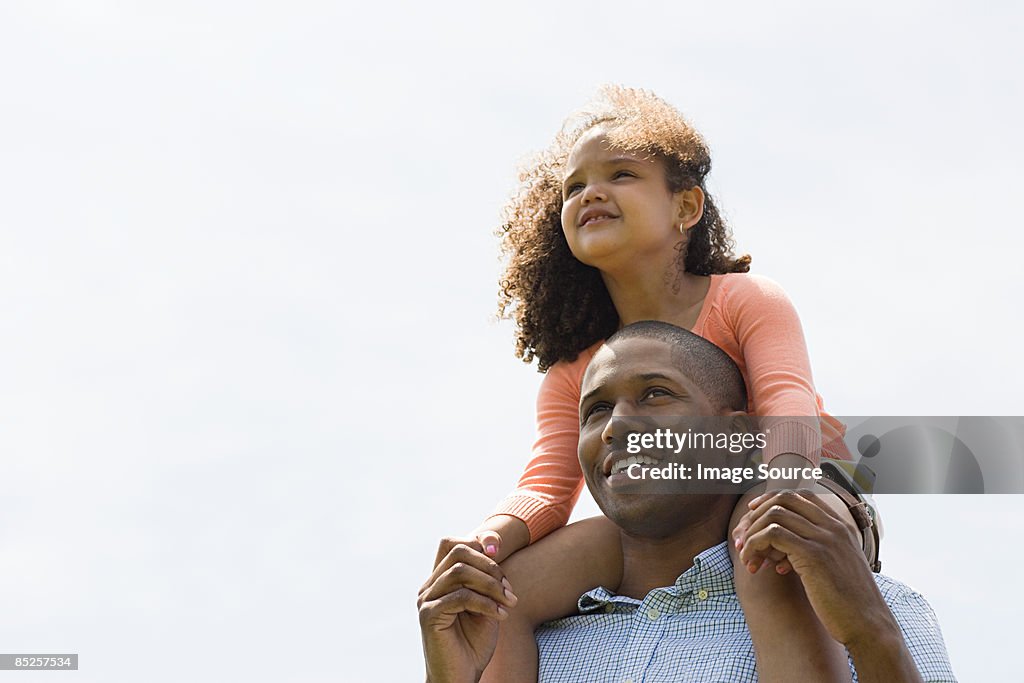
682,228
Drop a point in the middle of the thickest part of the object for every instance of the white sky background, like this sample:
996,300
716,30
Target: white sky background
248,368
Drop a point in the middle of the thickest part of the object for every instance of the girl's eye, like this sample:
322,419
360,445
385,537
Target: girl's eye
573,189
624,174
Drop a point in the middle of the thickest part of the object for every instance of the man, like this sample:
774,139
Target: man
675,615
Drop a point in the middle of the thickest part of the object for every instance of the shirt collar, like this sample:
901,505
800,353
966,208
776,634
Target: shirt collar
711,572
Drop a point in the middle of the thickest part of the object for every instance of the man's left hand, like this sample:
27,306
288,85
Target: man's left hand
796,528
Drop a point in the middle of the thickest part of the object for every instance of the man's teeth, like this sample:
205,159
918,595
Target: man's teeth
622,465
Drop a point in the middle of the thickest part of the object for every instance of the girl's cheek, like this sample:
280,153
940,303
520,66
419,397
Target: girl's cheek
567,220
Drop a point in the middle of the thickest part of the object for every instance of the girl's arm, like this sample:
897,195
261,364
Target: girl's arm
549,576
771,344
790,642
551,483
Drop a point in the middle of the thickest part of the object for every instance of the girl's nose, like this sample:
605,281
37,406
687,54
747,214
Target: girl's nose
593,193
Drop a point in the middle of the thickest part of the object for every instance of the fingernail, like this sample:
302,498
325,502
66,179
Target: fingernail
491,549
504,581
738,543
502,612
511,596
752,567
780,569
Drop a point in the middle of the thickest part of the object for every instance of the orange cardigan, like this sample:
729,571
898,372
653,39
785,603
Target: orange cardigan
747,316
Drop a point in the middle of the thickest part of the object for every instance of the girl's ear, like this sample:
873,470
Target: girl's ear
691,207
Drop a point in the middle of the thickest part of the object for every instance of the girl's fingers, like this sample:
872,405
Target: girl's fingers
758,560
770,542
784,567
776,515
490,542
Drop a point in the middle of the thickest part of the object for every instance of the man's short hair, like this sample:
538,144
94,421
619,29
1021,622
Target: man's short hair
710,368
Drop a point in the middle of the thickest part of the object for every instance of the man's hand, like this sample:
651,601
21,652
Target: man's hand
497,538
460,606
799,528
486,541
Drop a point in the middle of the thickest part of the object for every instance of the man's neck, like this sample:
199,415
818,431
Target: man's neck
650,563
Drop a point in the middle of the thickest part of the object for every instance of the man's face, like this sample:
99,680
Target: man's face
634,379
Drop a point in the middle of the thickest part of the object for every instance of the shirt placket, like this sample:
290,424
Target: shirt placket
646,632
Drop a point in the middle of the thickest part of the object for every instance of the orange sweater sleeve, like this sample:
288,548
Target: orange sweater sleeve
551,484
767,329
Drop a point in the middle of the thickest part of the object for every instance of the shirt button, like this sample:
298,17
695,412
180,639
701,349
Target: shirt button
609,608
702,594
653,613
628,680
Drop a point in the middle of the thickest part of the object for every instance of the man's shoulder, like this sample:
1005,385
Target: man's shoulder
896,593
920,628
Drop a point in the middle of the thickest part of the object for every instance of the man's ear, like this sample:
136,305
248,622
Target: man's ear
691,207
741,422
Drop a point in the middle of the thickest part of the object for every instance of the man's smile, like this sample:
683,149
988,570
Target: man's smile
617,462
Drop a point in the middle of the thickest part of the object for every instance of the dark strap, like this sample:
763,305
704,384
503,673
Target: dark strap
862,516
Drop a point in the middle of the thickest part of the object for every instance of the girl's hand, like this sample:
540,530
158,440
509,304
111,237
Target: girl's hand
486,541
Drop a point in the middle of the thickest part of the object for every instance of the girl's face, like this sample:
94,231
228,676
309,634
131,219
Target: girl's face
617,208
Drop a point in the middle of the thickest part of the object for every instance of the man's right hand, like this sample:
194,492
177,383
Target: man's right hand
460,606
486,541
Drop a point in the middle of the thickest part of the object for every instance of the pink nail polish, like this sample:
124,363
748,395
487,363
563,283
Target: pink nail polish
490,549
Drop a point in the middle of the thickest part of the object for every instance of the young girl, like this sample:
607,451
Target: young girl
613,224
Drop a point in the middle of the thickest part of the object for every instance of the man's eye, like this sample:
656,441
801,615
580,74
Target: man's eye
656,392
594,410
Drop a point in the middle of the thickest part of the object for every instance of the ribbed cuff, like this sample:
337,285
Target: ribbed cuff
539,516
793,437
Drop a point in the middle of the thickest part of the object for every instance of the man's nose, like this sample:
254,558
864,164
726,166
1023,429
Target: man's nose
622,422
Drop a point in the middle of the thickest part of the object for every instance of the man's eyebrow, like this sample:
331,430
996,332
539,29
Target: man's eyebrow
655,375
645,376
590,394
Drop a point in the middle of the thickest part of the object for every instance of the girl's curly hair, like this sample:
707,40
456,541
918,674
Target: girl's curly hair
561,306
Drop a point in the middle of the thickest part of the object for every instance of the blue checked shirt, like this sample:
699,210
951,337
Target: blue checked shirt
694,631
